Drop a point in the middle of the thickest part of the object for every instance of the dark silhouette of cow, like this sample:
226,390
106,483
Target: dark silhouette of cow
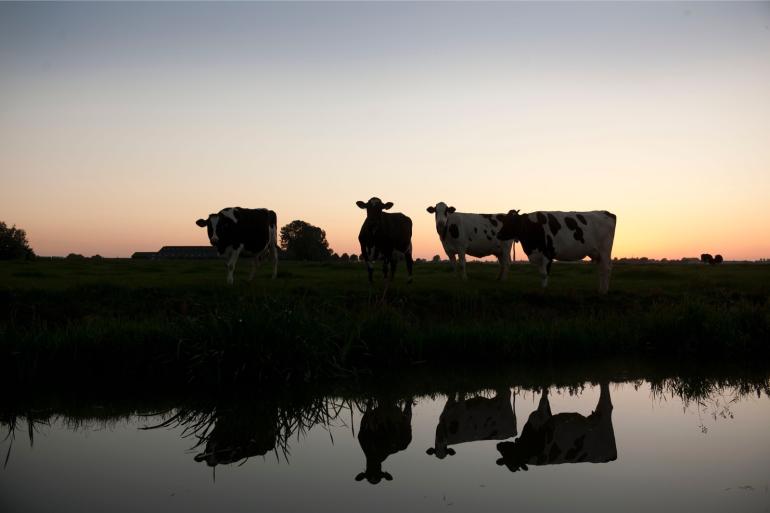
382,234
470,420
233,230
548,439
385,429
706,258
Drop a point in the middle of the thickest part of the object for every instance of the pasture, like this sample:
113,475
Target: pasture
177,321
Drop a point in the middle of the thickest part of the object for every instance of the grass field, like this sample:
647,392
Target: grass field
177,321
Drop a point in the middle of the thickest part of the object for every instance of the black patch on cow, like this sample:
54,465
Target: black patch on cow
475,230
554,453
454,230
581,218
577,231
609,214
531,234
500,217
494,223
553,224
576,448
489,237
486,216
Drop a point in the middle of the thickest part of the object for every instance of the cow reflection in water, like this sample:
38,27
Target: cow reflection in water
238,435
470,420
548,439
385,429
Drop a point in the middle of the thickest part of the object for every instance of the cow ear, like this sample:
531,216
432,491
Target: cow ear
431,210
387,476
513,212
451,210
360,476
361,204
387,205
500,461
201,223
431,451
450,451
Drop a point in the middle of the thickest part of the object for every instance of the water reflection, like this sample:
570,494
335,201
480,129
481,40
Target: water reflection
385,429
474,419
569,437
239,433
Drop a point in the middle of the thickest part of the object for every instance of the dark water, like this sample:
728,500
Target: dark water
630,446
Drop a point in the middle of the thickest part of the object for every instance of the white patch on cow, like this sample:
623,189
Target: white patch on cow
214,220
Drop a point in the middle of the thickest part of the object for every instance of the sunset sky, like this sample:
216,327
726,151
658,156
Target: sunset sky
121,124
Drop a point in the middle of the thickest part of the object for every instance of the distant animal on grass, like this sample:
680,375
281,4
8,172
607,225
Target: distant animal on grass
474,419
385,429
471,234
568,236
706,258
233,230
383,235
548,439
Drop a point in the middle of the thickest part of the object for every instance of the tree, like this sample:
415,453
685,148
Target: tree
13,243
303,241
436,259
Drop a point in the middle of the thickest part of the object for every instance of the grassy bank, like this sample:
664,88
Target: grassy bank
177,322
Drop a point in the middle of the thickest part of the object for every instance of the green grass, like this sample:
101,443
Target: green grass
177,321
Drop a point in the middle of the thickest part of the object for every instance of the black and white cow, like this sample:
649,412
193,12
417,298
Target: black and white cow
383,234
470,420
549,236
233,230
385,429
548,439
471,234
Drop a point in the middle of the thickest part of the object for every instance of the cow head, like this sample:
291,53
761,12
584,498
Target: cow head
374,207
511,226
219,226
440,452
374,477
442,212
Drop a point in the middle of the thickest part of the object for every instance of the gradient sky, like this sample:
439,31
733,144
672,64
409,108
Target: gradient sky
121,124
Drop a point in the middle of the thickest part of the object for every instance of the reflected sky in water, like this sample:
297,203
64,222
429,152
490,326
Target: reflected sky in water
656,451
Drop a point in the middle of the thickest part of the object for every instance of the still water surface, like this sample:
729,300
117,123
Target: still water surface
604,447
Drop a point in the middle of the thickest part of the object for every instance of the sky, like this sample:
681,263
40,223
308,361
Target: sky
123,123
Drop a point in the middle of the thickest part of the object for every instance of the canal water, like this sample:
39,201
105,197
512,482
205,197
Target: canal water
613,446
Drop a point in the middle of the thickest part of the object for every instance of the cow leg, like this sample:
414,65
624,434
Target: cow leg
385,268
393,262
275,259
254,265
462,265
605,403
409,265
370,270
504,259
544,266
453,260
605,267
232,259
